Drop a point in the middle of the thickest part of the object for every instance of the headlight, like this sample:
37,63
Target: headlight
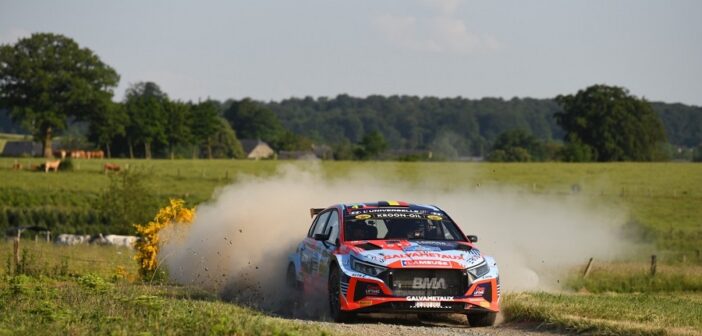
366,268
480,270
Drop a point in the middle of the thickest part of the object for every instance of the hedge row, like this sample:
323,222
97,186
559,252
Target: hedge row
61,220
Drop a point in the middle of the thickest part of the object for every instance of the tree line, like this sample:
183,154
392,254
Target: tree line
51,86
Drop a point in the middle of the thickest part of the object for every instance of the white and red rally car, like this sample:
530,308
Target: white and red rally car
394,257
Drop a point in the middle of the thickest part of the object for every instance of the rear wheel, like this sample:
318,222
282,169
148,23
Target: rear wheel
486,319
291,279
293,296
335,311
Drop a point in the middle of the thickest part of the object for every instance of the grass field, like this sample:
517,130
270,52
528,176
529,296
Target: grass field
664,201
611,313
88,290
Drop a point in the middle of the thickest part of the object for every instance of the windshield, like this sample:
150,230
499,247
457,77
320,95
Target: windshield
401,228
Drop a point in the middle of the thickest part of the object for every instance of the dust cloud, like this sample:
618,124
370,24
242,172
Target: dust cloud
239,243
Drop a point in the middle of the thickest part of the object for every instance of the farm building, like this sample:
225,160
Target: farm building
256,149
22,148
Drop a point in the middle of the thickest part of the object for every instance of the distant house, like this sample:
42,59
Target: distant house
256,149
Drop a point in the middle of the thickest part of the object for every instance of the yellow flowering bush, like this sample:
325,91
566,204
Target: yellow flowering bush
148,246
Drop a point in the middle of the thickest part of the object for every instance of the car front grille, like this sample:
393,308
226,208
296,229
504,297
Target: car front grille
427,282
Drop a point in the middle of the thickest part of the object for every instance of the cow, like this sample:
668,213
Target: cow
110,167
115,240
77,154
71,239
98,154
49,165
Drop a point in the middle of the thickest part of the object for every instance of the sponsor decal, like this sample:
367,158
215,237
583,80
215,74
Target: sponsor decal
434,217
436,242
479,291
422,248
365,303
429,298
433,263
428,304
363,216
386,210
429,283
424,254
397,215
372,291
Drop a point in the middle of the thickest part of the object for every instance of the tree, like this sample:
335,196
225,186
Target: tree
371,146
205,123
146,107
104,127
178,125
518,145
252,120
224,141
46,78
614,124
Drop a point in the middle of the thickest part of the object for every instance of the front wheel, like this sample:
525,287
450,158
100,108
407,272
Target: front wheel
486,319
335,311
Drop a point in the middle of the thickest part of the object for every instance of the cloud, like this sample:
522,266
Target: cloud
11,35
440,34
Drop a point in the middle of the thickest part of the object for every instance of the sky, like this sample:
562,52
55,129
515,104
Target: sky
276,49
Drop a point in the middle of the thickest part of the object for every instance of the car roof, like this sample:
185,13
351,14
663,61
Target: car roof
390,204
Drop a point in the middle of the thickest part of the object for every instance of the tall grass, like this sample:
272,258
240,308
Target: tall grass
630,277
91,290
609,314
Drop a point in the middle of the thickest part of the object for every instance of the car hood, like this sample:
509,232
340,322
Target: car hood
417,253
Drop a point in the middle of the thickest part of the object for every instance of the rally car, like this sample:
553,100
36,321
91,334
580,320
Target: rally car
394,257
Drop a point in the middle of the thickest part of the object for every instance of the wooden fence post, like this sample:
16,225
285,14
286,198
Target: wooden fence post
653,265
587,268
15,254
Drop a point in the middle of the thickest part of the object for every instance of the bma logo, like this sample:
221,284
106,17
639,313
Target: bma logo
429,283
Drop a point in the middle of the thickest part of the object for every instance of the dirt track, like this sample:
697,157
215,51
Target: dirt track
411,325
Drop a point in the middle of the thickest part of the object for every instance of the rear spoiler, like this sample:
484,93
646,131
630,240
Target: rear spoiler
315,211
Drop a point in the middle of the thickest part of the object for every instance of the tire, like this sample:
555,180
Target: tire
335,311
291,279
482,319
293,297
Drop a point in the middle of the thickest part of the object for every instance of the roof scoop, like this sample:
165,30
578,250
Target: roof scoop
369,246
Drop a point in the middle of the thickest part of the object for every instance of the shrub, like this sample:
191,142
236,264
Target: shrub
148,246
66,165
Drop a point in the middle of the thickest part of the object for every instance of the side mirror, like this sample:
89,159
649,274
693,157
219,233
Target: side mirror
321,236
472,238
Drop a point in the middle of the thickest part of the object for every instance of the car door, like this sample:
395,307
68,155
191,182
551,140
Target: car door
327,247
310,252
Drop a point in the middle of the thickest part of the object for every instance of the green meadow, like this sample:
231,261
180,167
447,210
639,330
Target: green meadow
663,201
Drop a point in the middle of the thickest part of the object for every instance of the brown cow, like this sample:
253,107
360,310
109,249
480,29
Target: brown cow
77,154
98,154
52,165
110,167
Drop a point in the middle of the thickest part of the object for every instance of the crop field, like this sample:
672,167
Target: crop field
663,203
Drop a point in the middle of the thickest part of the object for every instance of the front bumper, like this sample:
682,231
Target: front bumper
482,295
